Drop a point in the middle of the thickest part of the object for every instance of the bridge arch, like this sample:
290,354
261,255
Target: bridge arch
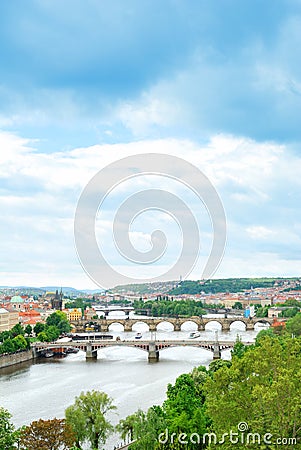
189,325
260,322
165,325
238,324
213,324
140,325
113,327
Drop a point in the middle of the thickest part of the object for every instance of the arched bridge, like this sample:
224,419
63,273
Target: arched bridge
152,347
201,322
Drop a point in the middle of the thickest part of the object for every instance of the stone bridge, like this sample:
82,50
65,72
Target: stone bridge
151,347
201,322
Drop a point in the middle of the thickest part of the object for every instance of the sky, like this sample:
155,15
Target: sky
85,83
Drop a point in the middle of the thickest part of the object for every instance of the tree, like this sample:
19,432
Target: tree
261,388
20,342
293,326
42,336
237,305
59,319
38,328
218,364
8,435
52,332
87,417
28,330
16,330
53,434
8,346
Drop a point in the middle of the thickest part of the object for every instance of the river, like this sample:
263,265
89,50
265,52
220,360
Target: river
45,388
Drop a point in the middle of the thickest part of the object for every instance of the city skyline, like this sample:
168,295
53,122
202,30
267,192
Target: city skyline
83,85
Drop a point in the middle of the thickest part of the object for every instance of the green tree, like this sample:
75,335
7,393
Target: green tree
53,434
42,336
8,346
28,330
38,328
91,408
52,332
59,319
16,330
293,326
237,305
20,342
261,388
218,364
8,434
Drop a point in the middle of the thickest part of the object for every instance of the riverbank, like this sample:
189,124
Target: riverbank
15,358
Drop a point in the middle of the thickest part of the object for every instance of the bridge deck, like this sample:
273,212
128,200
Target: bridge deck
136,343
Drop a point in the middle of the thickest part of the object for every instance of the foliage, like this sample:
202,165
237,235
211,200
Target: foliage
182,412
53,434
8,435
239,349
261,388
59,320
262,311
38,328
293,326
159,308
223,285
28,330
217,364
290,312
87,418
14,344
237,305
269,332
16,330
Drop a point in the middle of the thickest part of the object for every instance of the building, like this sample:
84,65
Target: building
57,300
73,314
17,303
8,319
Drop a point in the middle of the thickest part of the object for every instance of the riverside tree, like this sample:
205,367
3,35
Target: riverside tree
87,418
8,434
261,389
53,434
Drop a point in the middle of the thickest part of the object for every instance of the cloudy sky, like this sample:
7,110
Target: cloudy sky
84,83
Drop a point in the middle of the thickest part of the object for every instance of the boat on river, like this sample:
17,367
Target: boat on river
138,336
194,334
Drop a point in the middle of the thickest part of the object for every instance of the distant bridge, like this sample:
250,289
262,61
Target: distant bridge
107,309
152,347
201,322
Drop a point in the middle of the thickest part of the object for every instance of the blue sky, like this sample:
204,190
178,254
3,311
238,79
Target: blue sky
84,83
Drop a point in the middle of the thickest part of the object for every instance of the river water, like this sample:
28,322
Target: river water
45,388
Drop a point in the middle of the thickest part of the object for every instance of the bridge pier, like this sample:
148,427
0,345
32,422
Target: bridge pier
127,326
217,354
225,326
104,327
152,327
177,326
153,353
90,353
249,326
201,327
217,351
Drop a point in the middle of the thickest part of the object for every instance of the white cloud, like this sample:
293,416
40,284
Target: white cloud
259,184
